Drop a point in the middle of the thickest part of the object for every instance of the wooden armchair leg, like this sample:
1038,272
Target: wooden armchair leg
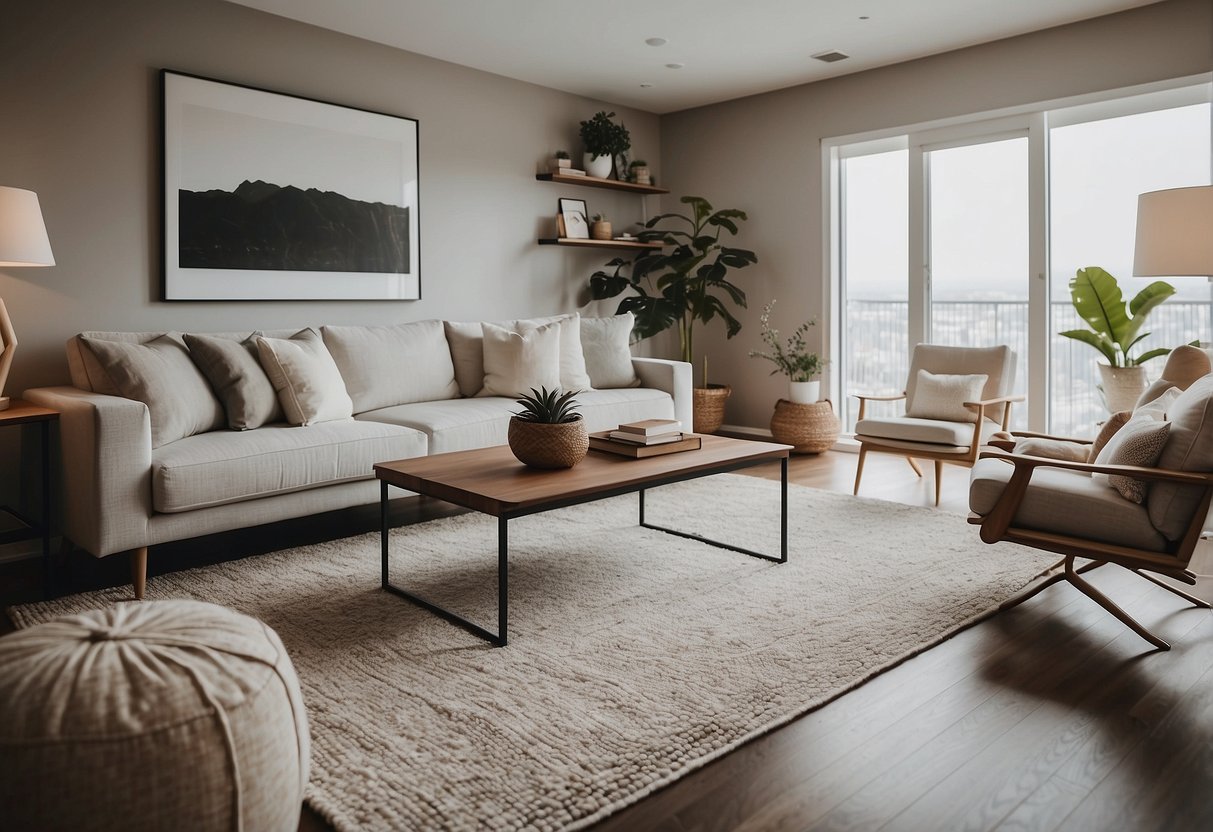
914,465
938,479
863,454
1192,599
1105,602
139,571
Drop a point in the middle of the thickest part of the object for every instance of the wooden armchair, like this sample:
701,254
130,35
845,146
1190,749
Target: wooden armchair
941,440
1054,505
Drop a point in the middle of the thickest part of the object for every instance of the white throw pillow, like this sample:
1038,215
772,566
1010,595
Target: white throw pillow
516,362
466,341
943,396
160,374
1140,442
1160,405
384,366
608,357
307,380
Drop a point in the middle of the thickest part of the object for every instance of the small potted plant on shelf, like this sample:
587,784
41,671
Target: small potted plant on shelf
600,227
638,172
560,161
686,285
1098,300
793,359
603,139
548,432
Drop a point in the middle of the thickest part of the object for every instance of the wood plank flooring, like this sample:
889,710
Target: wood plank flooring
1050,716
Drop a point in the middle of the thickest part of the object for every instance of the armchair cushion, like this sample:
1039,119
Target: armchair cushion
1066,502
1139,442
934,431
1189,448
998,363
1052,448
942,396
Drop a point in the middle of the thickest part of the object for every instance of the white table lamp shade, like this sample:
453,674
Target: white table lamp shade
1175,233
23,240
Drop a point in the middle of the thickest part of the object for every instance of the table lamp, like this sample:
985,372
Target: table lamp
23,242
1175,235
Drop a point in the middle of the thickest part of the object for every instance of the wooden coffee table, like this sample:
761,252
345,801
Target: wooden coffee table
491,481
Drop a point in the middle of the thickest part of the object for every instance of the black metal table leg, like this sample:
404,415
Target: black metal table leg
48,579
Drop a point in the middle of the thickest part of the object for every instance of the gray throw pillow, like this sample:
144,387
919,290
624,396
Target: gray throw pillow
161,375
234,371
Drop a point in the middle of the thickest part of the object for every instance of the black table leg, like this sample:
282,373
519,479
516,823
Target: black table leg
48,578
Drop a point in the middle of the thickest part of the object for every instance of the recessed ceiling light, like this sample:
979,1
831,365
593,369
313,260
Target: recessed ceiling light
674,66
644,85
829,57
864,17
656,41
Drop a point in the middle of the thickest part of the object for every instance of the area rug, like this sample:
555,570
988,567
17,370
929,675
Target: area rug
635,656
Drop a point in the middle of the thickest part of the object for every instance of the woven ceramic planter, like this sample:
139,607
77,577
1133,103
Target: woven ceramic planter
542,445
709,407
808,428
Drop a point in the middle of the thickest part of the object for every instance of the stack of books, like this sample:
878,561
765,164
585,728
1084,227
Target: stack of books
651,437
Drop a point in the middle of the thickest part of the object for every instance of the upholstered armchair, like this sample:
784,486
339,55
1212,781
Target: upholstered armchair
956,397
1145,517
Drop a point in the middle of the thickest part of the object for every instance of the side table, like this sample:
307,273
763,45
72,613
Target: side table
21,412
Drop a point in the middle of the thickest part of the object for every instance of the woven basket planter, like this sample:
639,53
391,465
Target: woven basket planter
709,402
541,445
808,428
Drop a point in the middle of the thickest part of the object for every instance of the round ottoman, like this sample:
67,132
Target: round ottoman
156,715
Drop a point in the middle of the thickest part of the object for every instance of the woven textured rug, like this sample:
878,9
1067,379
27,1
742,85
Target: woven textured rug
635,656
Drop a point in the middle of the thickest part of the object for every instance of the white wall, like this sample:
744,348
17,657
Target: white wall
763,153
80,101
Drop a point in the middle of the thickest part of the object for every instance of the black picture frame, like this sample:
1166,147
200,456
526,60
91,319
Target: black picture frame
272,196
574,218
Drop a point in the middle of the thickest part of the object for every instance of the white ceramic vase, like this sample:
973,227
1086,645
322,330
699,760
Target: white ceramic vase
599,166
804,392
1122,386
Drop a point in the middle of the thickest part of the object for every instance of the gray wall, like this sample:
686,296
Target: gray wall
763,153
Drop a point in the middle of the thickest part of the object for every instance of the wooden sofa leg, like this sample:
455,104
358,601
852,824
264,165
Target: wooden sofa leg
139,571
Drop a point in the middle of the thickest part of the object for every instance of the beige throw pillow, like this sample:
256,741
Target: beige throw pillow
1114,423
308,382
235,374
517,362
384,366
1051,448
943,396
1140,442
466,342
606,343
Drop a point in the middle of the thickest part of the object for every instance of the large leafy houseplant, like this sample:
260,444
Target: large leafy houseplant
603,137
685,285
1115,327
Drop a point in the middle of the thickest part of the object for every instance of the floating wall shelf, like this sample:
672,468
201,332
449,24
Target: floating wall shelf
629,245
595,182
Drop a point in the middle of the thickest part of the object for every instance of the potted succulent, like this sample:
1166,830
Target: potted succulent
560,161
1115,329
600,227
638,172
548,432
603,139
686,286
793,359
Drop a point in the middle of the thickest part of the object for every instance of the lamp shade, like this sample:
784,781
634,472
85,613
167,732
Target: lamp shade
23,240
1175,233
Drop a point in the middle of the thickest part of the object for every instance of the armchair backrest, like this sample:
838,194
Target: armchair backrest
998,363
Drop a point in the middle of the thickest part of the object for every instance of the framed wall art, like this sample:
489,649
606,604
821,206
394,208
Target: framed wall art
574,219
270,196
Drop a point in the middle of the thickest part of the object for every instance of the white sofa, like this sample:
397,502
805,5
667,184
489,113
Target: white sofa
122,491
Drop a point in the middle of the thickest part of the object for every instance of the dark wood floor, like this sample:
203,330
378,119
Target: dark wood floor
1052,715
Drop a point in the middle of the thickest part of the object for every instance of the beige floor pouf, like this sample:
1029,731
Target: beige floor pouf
158,715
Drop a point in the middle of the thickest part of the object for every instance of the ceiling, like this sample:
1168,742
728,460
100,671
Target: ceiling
728,48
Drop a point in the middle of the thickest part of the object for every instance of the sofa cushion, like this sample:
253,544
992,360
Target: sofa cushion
308,383
1189,448
516,363
608,357
160,374
388,365
236,376
466,342
212,469
936,431
479,422
1066,502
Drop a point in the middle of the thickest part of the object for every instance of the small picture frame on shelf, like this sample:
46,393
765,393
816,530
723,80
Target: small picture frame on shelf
573,219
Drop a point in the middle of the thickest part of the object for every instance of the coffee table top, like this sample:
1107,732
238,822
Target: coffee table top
492,481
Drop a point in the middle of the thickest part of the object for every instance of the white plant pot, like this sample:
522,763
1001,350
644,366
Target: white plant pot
599,166
804,392
1122,386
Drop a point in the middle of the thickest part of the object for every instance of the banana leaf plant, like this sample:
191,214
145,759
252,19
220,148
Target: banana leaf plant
1115,326
684,285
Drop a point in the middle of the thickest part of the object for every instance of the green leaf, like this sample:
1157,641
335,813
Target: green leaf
723,222
1146,301
1146,356
603,285
1100,342
1097,299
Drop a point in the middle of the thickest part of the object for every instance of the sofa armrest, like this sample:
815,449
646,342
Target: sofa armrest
106,452
674,377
